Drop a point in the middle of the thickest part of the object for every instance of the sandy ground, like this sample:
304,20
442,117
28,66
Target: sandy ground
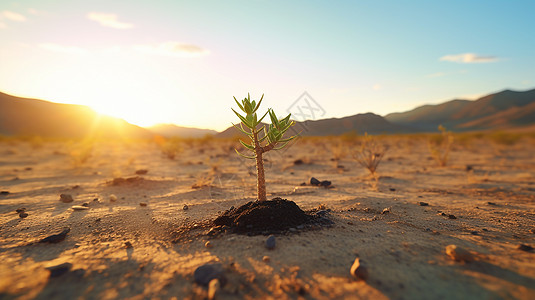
494,206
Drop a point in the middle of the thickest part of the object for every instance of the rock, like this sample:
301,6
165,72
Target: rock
271,242
4,193
325,183
385,211
491,203
23,214
113,198
142,204
185,207
79,207
56,238
266,258
58,270
298,162
207,272
359,269
208,244
392,189
452,217
65,198
314,181
21,209
423,204
142,172
86,204
459,254
524,247
128,245
213,288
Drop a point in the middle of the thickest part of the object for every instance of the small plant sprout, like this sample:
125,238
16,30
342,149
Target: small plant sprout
263,139
370,153
440,146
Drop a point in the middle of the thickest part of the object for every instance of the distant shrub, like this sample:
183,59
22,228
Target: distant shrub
81,153
505,138
170,147
440,145
370,154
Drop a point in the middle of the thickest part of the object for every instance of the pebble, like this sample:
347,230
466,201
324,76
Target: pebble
79,207
314,181
19,210
65,198
423,204
459,254
532,230
58,270
385,211
491,203
142,172
271,242
113,198
186,207
142,204
208,244
266,258
452,217
128,245
4,192
86,204
524,247
213,288
207,272
359,269
56,238
325,183
23,214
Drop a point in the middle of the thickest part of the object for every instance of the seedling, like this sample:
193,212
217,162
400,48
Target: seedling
263,138
370,154
440,146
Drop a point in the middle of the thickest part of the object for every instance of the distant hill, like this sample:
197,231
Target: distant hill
503,110
171,130
360,123
31,117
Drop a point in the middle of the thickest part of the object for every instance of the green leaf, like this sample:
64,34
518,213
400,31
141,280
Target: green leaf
263,117
241,129
244,121
250,147
258,105
239,105
273,117
246,156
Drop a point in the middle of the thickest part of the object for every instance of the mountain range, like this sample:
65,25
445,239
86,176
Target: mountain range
499,111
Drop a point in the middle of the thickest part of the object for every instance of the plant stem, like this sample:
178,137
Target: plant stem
260,178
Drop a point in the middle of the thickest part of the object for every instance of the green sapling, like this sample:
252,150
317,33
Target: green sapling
263,139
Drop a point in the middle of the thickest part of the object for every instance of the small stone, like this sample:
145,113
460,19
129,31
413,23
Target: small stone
213,288
452,217
271,242
79,207
113,198
23,214
86,204
58,270
208,244
266,258
459,254
385,211
392,189
532,230
185,207
325,183
142,172
65,198
56,238
491,203
474,232
142,204
207,272
298,162
423,204
19,210
314,181
524,247
359,269
128,245
4,193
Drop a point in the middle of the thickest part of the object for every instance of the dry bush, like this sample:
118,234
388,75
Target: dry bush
505,138
370,154
440,146
81,153
170,147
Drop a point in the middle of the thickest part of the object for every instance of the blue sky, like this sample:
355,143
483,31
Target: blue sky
182,61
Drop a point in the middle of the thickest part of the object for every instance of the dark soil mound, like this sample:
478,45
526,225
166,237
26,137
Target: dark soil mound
271,216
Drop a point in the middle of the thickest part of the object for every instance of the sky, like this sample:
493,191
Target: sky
182,62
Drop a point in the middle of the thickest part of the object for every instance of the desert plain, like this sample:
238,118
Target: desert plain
145,227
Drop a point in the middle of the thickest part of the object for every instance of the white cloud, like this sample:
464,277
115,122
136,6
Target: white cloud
36,12
172,49
108,20
468,58
2,25
63,49
13,16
